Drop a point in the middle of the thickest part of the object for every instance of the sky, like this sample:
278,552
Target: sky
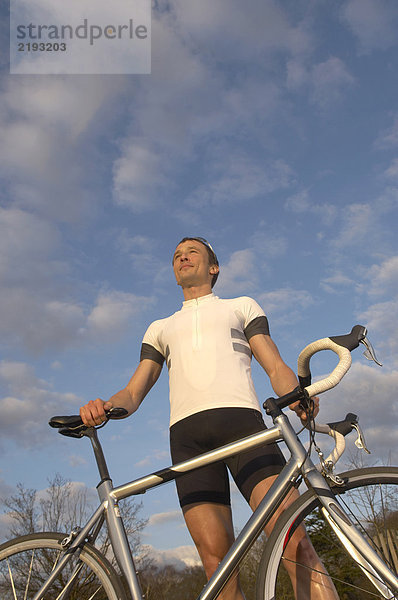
269,128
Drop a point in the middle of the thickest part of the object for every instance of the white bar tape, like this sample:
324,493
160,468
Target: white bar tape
339,441
335,376
339,447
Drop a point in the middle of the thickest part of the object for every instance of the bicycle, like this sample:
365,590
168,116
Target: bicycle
51,566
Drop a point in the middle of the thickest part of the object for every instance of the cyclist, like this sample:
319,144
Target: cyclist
207,347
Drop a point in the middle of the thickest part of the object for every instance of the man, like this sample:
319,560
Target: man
207,346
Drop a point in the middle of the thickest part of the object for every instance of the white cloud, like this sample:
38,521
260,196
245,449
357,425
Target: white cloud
174,115
301,203
180,557
297,74
29,272
358,220
77,460
383,278
373,22
125,242
39,325
111,315
143,253
26,244
392,171
286,300
298,203
67,104
335,283
329,82
39,301
169,106
380,281
5,489
388,138
166,517
138,175
43,145
381,319
5,522
236,178
156,455
326,82
238,275
27,403
250,32
267,245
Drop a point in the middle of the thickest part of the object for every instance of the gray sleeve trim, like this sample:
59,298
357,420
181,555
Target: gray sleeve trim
258,325
148,351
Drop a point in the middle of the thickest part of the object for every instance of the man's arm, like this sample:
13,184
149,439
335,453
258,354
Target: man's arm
282,378
145,376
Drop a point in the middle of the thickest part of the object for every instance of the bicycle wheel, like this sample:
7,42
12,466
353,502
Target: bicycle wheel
26,562
370,496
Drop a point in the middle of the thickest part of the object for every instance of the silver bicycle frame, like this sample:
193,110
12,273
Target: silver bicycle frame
298,464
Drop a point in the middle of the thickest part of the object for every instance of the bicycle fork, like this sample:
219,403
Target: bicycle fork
354,542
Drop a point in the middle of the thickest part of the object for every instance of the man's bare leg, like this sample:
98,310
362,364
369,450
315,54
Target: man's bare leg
308,583
211,528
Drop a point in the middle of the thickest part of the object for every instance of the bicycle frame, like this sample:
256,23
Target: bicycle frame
298,465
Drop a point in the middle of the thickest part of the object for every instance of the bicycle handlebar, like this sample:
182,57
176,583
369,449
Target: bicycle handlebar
342,346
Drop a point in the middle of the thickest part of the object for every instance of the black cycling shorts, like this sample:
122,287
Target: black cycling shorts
210,429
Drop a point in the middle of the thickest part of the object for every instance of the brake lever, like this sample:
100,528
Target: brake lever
360,441
369,353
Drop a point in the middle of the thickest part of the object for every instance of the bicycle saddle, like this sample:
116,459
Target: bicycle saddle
70,421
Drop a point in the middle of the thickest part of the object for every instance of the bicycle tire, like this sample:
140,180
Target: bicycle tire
370,490
27,561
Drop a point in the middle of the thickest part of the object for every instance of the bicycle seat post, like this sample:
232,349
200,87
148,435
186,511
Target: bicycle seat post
91,433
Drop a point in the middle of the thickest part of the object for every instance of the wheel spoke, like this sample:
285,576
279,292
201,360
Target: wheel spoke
370,497
336,579
29,575
12,580
27,562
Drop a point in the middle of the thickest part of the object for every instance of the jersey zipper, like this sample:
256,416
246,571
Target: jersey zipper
196,334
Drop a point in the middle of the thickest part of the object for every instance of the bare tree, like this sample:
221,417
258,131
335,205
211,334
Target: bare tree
22,510
60,508
63,506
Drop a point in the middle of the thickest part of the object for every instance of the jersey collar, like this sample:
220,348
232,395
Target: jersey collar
200,300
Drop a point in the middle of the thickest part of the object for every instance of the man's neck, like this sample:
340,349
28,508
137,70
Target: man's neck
190,293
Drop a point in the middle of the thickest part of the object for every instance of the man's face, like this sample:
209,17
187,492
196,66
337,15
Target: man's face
191,264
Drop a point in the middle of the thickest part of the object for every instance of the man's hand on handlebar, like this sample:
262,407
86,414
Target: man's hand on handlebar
93,413
301,412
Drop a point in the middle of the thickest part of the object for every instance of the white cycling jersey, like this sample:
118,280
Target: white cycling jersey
205,346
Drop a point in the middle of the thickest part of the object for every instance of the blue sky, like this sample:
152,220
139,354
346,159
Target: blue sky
271,129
